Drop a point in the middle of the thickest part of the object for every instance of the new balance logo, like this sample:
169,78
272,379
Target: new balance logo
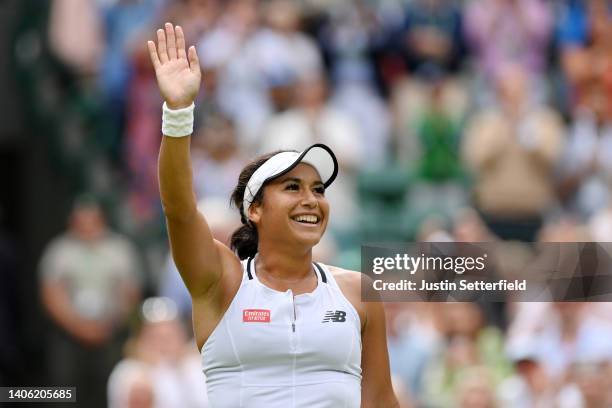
334,316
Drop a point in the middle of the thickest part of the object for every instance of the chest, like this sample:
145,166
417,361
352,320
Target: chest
312,332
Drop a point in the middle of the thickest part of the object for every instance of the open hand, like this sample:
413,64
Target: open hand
178,73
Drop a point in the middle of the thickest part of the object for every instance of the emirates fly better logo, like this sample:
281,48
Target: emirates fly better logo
256,315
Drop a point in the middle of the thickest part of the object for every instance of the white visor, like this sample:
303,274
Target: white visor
318,156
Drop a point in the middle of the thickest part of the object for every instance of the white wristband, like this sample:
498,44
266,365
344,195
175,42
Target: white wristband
179,122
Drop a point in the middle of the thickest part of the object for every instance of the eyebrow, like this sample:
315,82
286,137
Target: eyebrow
296,180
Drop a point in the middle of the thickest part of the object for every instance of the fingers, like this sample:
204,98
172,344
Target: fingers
153,55
170,46
180,42
171,41
161,46
194,61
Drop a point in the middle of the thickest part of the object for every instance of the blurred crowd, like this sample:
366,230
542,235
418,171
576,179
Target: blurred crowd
452,120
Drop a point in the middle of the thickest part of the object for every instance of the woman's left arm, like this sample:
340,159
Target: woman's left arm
376,388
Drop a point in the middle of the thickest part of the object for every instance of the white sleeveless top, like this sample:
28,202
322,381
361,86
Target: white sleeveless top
273,349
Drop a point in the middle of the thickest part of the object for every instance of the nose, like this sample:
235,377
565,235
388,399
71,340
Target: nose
309,200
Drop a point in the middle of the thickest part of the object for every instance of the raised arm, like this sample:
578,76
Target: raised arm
197,255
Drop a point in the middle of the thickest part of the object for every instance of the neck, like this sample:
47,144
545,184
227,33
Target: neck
284,270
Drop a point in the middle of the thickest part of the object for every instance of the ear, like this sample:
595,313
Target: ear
254,213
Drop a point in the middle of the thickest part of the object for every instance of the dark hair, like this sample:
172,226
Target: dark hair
244,240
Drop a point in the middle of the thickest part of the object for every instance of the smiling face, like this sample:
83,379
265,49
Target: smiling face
294,209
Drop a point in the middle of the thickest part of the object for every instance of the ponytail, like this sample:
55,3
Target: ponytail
244,240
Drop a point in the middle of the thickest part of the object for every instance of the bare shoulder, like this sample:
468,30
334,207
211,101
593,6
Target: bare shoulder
350,285
346,276
349,280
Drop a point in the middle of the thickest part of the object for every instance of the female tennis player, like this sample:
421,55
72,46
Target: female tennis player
275,328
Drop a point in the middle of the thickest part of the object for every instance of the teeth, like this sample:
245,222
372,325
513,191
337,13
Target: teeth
311,219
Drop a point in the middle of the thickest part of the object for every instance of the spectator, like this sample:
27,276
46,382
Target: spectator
571,333
131,386
502,32
141,141
240,90
475,390
439,137
195,17
404,398
586,170
75,32
416,100
412,340
469,227
470,344
586,58
432,45
439,172
347,35
512,151
432,37
584,31
355,96
122,25
142,126
280,53
531,386
280,48
89,283
588,384
161,366
215,156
